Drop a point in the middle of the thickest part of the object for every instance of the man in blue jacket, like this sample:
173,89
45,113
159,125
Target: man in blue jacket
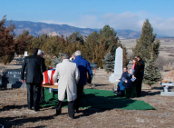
85,75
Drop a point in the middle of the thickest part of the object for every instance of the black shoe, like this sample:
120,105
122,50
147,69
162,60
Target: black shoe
58,112
36,109
72,117
115,92
77,110
120,94
31,108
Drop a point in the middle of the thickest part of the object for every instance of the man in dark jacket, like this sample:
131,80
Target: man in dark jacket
85,75
139,74
31,73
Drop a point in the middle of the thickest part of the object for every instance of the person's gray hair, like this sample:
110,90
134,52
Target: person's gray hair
77,53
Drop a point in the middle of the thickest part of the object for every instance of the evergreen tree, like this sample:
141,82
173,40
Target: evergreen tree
146,46
152,73
22,42
75,37
109,62
92,41
108,42
38,42
148,49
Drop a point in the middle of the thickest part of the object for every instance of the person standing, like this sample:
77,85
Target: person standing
85,75
139,74
41,54
67,74
31,73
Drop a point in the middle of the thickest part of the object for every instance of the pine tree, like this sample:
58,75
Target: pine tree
75,37
92,41
147,48
110,42
109,62
22,42
152,73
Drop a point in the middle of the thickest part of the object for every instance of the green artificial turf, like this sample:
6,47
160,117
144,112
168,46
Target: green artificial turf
100,99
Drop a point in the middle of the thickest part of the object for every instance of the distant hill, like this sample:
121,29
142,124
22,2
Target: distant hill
38,28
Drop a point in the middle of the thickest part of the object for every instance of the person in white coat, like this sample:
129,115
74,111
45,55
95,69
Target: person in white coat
68,75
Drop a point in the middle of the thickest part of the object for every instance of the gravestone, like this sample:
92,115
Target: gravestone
118,66
166,91
25,53
1,126
11,78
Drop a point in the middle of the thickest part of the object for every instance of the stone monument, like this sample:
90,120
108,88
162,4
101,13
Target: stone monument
118,66
25,53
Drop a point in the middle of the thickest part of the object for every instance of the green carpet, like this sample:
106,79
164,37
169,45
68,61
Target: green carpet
100,99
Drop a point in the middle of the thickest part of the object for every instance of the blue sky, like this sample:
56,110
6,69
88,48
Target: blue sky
119,14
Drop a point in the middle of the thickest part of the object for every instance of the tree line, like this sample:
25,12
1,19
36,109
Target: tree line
98,47
94,46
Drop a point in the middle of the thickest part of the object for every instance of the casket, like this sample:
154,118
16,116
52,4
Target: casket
48,77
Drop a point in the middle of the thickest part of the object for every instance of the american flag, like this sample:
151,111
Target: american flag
48,77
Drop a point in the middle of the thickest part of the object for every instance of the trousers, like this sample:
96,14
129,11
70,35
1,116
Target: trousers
70,108
33,95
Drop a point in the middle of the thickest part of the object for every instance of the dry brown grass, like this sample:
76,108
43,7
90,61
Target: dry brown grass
14,113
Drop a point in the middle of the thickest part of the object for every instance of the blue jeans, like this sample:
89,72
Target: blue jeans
121,86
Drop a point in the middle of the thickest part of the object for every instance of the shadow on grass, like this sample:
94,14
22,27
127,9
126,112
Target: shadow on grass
101,100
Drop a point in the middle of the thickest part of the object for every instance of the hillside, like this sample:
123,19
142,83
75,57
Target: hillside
38,28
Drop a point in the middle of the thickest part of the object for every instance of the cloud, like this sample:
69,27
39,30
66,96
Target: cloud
163,26
126,20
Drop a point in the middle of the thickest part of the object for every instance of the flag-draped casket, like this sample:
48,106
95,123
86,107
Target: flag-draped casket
48,77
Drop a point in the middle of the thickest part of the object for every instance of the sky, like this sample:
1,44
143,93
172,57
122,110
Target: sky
119,14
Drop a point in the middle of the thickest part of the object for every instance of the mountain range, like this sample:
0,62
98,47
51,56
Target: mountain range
38,28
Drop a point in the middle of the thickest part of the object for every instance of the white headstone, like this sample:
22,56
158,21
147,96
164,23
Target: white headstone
25,53
118,66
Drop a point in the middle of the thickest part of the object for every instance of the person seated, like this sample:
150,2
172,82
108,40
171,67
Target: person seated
121,85
126,81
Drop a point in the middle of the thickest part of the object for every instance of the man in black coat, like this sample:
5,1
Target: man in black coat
31,73
139,74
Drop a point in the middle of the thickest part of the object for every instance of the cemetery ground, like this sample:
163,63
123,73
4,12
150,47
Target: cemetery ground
14,112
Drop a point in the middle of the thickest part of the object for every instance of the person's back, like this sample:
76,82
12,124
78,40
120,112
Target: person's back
34,68
84,69
67,74
31,73
85,75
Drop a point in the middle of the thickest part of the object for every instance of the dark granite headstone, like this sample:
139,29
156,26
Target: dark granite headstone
11,78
